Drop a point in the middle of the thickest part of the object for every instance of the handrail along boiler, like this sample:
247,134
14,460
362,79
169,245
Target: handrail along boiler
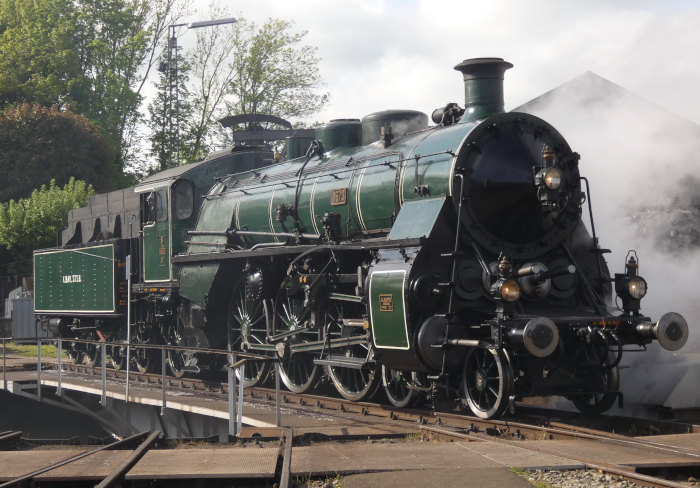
444,258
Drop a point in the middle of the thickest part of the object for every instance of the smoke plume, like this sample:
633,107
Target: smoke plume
642,163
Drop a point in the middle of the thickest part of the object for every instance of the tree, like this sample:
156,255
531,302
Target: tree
35,222
90,55
274,73
38,145
160,117
241,69
38,64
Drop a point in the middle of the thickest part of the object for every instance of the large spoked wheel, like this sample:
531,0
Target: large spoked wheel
248,317
596,403
354,384
398,387
298,371
487,381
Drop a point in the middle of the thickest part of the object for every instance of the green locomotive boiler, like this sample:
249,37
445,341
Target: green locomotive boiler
392,253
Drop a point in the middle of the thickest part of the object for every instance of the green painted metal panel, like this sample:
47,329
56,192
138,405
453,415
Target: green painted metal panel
196,281
75,280
156,251
416,218
433,167
388,309
375,192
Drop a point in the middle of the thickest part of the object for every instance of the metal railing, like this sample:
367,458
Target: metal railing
235,388
4,363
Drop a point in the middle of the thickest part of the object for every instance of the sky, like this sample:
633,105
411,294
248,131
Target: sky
389,54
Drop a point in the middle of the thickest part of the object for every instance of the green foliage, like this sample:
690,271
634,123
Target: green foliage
161,115
86,55
236,69
274,72
38,63
110,41
35,222
38,144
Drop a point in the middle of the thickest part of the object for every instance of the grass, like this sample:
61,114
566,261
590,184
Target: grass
309,482
28,350
523,474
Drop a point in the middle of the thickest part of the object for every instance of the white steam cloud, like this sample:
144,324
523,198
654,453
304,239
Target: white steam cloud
641,161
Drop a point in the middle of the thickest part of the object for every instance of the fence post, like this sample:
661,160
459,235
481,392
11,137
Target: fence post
241,377
38,368
231,397
103,401
59,391
128,322
4,365
162,378
277,393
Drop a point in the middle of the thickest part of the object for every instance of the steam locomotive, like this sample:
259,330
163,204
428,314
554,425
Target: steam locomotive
450,257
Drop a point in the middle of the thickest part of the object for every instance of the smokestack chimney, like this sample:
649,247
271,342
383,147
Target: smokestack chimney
483,87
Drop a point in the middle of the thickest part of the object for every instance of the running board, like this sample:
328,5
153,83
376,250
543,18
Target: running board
345,362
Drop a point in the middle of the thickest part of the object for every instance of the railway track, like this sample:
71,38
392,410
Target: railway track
535,425
449,425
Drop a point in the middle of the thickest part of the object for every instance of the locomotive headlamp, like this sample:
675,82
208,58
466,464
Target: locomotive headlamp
637,287
631,287
552,178
510,290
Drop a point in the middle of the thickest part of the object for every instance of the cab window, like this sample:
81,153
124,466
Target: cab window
161,205
183,199
149,208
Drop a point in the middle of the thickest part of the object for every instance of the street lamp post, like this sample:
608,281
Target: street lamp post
172,95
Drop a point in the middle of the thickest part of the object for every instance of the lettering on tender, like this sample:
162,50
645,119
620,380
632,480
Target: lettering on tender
72,278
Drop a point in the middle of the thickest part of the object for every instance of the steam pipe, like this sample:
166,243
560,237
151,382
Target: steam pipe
466,343
540,277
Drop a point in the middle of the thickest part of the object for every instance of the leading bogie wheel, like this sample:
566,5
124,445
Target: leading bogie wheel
597,403
398,387
487,381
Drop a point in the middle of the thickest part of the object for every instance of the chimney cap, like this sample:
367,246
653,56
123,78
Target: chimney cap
483,68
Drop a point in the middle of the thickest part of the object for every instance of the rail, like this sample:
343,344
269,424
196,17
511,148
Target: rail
110,480
236,363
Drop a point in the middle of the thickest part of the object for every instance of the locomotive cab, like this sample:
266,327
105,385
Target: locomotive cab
168,213
156,252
